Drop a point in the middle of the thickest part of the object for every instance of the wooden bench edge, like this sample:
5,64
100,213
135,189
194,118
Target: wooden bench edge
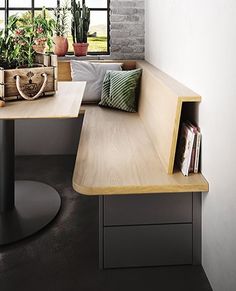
145,189
184,93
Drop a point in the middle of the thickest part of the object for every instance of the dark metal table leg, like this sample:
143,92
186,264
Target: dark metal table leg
25,206
7,168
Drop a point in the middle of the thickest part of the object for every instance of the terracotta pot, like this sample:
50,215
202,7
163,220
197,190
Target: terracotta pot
80,49
60,47
39,48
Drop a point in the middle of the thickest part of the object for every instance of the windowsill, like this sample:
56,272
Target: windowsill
88,57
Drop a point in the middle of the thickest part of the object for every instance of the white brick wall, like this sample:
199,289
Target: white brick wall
127,29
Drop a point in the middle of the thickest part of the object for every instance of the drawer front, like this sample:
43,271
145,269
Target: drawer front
148,209
156,245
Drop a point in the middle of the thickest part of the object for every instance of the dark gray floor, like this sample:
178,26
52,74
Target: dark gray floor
64,256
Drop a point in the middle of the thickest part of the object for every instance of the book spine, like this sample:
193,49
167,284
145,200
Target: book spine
197,155
190,151
192,162
184,150
189,135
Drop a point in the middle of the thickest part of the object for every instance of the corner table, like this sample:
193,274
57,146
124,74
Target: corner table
28,206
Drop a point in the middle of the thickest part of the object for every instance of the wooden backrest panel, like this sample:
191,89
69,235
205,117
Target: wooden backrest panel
160,105
160,108
64,70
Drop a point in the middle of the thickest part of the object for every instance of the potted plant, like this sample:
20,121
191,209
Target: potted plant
16,44
36,31
8,53
80,27
19,73
60,47
43,29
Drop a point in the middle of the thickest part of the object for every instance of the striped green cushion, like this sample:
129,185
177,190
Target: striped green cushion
120,90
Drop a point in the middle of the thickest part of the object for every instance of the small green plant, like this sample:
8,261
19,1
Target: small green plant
80,22
21,35
62,20
8,51
43,29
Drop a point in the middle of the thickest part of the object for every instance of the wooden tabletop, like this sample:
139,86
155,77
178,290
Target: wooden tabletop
64,104
117,156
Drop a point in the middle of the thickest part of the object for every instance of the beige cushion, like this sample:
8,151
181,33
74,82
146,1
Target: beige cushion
93,74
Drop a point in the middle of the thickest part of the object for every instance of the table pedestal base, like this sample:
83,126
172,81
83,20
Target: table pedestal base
36,204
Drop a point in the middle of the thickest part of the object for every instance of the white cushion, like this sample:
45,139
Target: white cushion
93,74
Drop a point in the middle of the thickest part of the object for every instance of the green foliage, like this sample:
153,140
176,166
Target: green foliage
8,54
19,38
80,22
62,19
43,29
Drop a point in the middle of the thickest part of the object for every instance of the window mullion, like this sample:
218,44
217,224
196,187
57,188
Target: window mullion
32,8
6,11
58,3
108,26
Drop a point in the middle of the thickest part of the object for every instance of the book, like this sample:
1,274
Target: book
197,154
185,147
192,161
195,129
196,148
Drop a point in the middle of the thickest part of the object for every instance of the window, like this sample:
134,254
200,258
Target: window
99,24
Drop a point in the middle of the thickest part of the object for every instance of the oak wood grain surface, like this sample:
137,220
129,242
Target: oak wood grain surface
123,153
117,156
160,106
64,104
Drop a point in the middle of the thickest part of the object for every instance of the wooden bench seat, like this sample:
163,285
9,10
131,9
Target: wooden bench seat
126,153
116,156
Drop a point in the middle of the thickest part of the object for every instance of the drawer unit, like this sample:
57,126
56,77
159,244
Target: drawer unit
148,209
149,230
153,245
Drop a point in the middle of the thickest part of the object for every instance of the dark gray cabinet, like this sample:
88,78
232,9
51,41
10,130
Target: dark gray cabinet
147,209
150,245
150,230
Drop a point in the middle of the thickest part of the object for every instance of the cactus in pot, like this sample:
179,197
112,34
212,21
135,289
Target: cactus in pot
61,15
79,27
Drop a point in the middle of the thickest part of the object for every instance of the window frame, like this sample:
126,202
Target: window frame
33,9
